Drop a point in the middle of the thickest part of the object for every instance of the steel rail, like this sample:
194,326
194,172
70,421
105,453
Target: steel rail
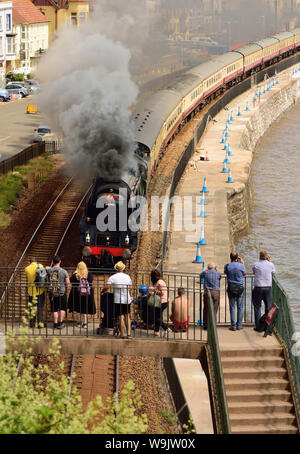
34,235
71,220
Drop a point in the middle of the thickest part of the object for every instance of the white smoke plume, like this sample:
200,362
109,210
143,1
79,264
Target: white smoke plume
87,90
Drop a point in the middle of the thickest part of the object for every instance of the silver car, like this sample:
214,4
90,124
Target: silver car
16,88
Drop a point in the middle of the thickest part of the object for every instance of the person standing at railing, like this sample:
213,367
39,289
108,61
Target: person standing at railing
235,272
35,288
121,284
212,279
263,271
81,298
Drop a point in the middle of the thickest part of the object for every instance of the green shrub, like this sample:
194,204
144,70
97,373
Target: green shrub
36,401
10,186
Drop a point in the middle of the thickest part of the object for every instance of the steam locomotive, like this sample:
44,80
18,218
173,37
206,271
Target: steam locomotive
106,235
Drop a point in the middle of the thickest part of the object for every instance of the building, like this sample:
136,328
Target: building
7,47
31,31
63,12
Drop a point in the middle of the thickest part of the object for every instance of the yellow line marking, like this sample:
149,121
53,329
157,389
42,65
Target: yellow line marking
4,138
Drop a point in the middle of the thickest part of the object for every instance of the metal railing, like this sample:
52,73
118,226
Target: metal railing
216,372
16,292
33,151
285,330
22,158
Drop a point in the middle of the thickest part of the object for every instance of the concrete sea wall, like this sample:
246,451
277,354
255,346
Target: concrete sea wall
240,196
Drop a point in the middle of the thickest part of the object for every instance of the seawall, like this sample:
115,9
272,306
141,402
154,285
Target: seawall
269,111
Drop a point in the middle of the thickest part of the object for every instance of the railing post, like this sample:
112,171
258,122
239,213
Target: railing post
220,399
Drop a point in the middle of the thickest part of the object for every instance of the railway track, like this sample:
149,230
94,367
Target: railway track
43,245
94,375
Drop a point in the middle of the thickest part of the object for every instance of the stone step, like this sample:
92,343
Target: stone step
265,429
255,373
248,361
267,384
259,396
253,353
282,418
246,408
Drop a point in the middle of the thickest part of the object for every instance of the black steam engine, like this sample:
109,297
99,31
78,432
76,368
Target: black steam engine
106,235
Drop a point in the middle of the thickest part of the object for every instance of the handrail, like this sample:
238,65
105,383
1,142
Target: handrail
218,385
285,331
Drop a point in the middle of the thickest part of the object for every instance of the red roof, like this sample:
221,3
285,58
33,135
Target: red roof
24,12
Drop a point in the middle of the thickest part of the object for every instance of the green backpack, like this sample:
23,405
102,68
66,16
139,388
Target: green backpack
154,301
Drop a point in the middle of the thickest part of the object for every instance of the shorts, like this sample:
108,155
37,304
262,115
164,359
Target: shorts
58,303
121,309
179,324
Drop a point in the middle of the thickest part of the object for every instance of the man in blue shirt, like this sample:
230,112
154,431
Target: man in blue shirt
235,272
211,278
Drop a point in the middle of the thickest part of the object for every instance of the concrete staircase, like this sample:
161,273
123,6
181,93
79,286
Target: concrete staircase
258,391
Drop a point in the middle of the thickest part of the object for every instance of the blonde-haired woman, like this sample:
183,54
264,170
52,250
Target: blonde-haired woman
81,298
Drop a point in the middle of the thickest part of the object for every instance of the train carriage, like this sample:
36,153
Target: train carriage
270,49
253,57
211,75
286,41
150,117
232,65
296,33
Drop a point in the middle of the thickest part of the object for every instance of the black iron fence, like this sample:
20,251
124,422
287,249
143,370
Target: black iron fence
33,151
285,330
219,398
171,319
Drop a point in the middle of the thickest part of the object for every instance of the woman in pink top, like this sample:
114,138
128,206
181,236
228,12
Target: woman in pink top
160,288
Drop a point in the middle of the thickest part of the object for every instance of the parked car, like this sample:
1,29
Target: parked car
34,85
16,88
4,95
44,134
24,84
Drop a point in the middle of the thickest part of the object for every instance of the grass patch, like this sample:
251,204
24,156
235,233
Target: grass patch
12,183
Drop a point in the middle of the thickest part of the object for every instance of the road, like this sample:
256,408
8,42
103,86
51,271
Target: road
16,127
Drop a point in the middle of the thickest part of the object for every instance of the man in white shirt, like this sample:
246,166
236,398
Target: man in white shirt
122,299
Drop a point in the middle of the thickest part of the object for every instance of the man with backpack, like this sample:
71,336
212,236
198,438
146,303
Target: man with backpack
36,278
58,281
235,272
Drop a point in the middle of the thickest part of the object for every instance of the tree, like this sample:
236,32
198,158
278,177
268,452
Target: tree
36,400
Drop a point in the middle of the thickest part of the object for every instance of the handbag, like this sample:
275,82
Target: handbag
235,289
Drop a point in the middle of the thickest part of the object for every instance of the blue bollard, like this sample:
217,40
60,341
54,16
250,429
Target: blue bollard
204,189
229,180
202,239
198,256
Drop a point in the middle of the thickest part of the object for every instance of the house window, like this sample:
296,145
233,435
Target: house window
10,46
8,22
74,18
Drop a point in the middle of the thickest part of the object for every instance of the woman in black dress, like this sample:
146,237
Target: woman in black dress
81,298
